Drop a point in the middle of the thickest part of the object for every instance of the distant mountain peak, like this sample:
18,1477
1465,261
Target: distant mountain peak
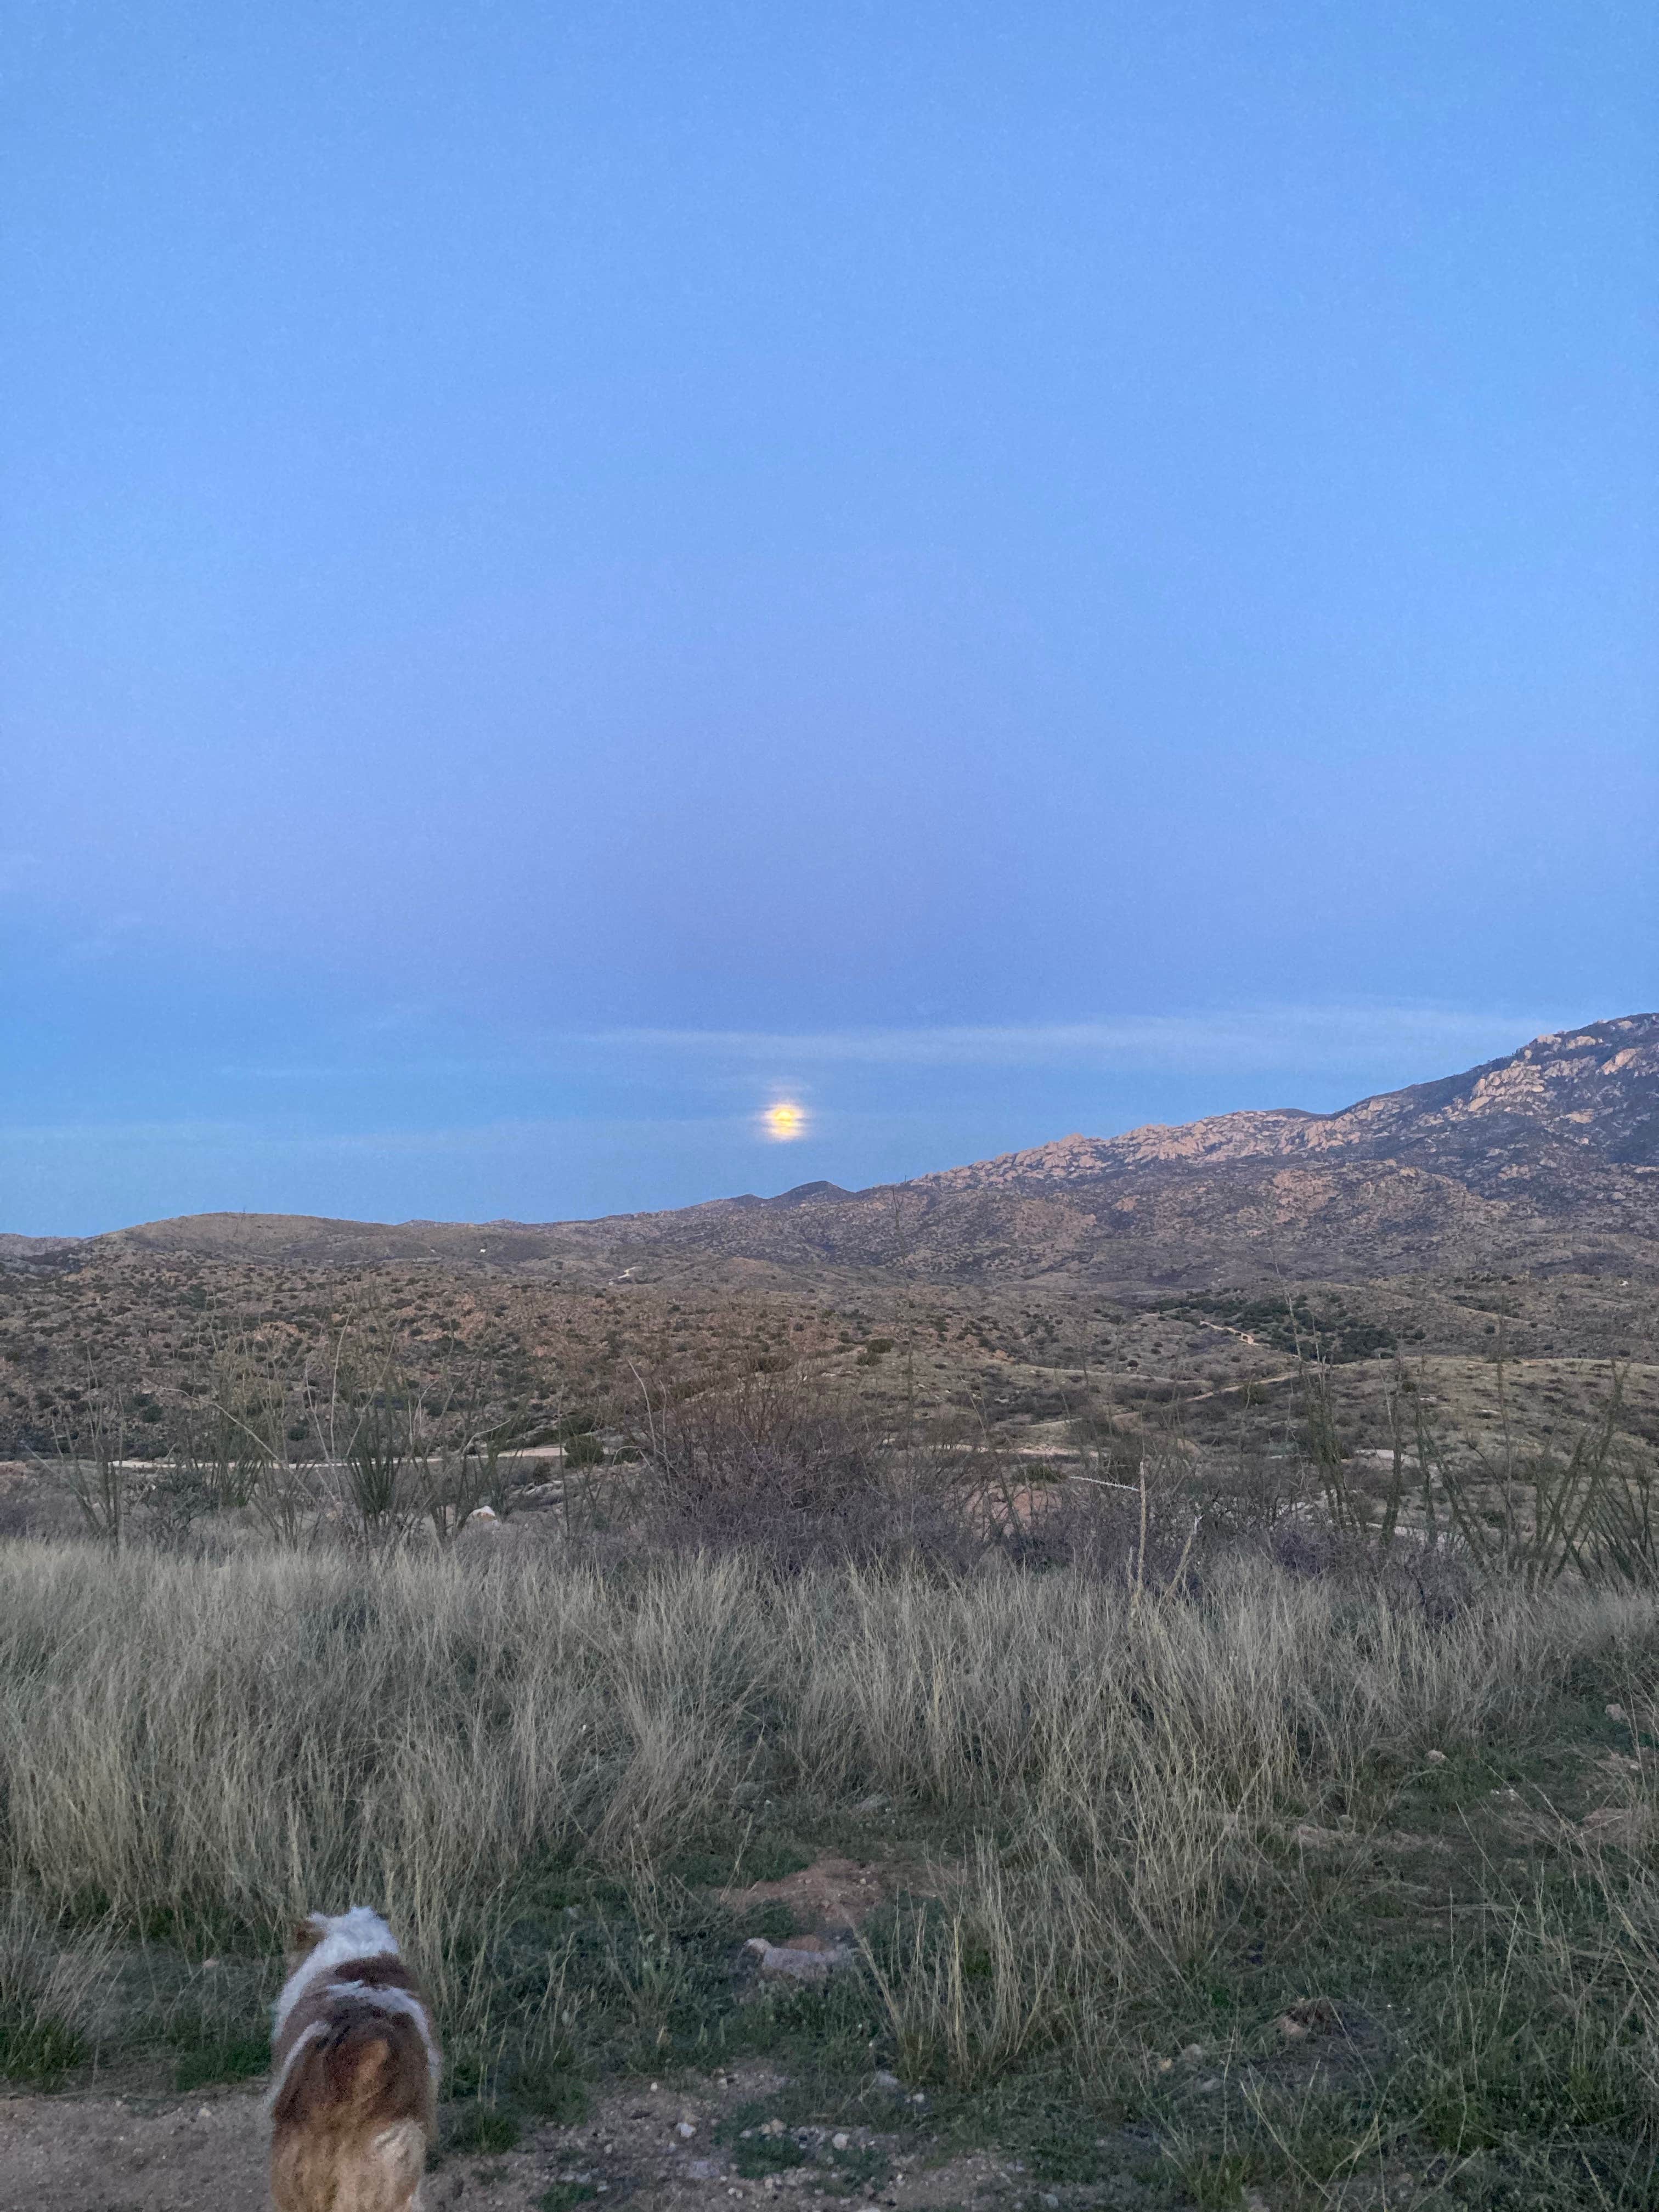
805,1194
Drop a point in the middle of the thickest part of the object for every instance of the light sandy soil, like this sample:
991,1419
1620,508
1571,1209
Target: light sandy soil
831,1892
137,2155
198,2153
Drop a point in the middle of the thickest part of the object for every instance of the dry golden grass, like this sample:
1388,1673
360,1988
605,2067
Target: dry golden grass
1106,1803
205,1748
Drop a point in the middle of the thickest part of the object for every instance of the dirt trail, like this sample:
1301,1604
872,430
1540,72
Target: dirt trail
208,2154
133,2154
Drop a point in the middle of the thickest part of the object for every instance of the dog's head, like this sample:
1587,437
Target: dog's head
303,1936
359,1934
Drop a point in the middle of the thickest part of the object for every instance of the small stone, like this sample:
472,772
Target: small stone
840,2142
871,1805
920,2098
1193,2053
686,2129
1615,1712
1049,2203
703,2169
1292,2030
1435,1758
1312,1837
793,1961
883,2080
1166,2066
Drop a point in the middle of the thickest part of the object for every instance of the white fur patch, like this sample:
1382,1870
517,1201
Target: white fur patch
400,2152
402,2136
359,1934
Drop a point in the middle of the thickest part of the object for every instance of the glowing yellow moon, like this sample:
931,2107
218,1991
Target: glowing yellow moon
784,1121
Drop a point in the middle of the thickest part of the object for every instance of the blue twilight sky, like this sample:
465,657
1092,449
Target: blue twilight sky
572,570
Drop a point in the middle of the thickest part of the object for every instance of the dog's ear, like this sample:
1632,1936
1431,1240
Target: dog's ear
306,1935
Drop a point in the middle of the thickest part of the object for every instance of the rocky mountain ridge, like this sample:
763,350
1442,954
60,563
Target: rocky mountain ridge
1594,1090
1547,1158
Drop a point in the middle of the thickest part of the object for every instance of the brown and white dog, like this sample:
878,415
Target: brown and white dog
355,2071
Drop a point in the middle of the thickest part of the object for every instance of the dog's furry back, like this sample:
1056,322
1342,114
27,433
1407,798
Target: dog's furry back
355,2067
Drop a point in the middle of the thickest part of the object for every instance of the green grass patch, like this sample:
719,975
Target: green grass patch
241,2058
758,2155
565,2196
36,2051
483,2129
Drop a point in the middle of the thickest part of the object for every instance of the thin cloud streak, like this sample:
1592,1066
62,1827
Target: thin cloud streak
193,1138
1287,1041
1281,1038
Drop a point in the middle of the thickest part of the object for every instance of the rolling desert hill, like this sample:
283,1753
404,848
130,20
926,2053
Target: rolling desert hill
1547,1159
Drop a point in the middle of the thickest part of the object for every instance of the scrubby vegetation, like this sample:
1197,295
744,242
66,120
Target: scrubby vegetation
1243,1815
1378,1861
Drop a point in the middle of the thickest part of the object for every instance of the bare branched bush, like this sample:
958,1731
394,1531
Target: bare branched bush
91,1438
405,1445
756,1438
769,1463
459,1429
1532,1516
229,1429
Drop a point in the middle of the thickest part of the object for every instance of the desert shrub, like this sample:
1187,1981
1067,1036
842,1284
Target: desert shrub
758,1438
772,1467
767,1464
1143,1534
92,1438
